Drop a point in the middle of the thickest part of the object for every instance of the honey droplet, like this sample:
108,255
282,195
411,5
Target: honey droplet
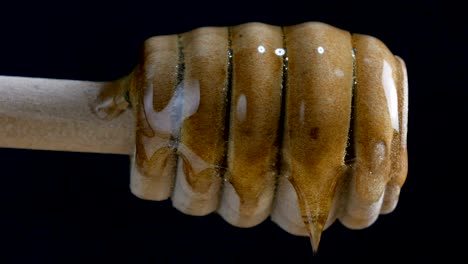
314,216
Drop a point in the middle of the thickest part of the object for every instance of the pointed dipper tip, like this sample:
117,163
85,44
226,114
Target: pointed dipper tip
315,233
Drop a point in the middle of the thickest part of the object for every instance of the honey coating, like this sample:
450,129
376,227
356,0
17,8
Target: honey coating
377,132
152,87
306,124
399,156
373,131
253,150
202,145
317,117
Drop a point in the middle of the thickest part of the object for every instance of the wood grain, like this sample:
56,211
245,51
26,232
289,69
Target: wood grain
51,114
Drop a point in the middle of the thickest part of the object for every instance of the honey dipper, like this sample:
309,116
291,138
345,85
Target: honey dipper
306,124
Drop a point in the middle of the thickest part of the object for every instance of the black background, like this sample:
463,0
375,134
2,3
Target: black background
59,207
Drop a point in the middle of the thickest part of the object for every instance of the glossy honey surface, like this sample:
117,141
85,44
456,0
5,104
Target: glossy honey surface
306,124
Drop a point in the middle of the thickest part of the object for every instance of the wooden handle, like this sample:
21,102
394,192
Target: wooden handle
50,114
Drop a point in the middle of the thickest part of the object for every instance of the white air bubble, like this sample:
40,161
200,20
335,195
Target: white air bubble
320,50
261,49
280,52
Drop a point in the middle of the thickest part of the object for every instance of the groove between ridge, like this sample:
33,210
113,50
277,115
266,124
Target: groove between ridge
350,151
227,119
179,89
282,119
176,136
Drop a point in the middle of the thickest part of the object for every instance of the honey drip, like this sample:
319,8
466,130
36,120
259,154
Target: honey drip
314,223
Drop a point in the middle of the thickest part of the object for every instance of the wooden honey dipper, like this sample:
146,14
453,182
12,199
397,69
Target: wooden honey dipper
306,124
